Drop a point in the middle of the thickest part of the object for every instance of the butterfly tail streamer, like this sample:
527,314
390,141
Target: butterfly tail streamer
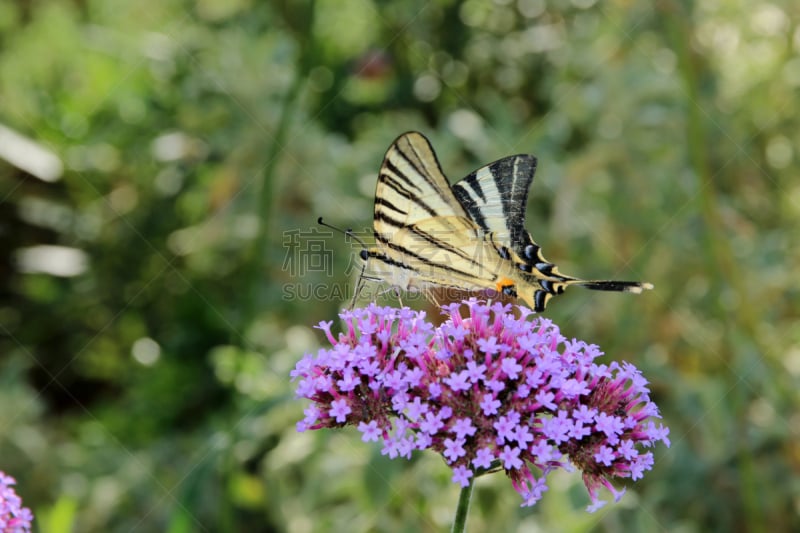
548,288
635,287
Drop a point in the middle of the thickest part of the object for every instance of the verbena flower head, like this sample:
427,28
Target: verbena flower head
486,390
13,517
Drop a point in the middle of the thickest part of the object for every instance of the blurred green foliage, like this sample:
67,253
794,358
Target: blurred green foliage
146,387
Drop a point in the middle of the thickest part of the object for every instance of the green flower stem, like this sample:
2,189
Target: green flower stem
460,521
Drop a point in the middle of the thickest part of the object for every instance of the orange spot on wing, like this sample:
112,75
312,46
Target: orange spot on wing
502,283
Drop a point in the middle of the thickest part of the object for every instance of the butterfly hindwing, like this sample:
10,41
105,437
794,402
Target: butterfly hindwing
496,195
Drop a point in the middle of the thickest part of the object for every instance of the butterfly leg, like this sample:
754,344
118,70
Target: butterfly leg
360,284
356,291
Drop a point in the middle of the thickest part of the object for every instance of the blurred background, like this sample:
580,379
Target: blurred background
162,167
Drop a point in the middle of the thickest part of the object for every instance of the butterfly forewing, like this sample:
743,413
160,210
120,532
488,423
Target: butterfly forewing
417,216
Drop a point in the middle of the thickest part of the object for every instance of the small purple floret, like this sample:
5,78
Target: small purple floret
14,518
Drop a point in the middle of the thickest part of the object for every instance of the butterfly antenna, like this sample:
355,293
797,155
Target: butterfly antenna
348,232
364,255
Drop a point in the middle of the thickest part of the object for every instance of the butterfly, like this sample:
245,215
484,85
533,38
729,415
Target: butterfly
469,236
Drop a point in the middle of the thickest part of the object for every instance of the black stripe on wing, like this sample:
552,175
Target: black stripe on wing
416,165
436,244
383,202
420,259
440,244
388,165
469,192
398,188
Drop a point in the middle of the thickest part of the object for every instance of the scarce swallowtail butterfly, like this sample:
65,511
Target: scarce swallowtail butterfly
470,236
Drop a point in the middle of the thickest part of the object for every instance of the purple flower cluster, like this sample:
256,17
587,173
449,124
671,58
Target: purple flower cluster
13,517
488,390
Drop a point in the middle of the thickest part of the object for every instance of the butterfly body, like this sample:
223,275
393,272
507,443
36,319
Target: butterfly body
469,236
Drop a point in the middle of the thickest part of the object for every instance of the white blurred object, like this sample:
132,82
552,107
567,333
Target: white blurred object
176,145
30,156
59,261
